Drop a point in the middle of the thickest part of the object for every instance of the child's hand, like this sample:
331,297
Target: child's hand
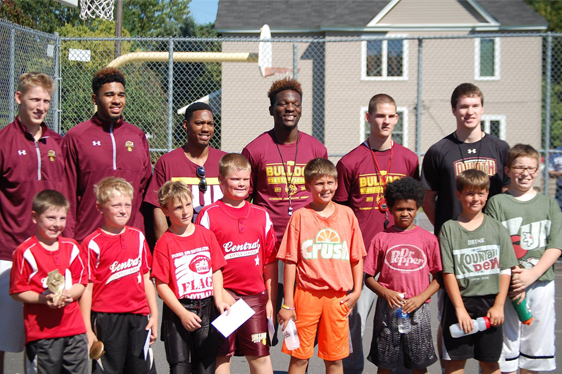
465,322
351,299
522,278
285,315
91,338
52,301
190,321
517,296
495,314
66,298
227,297
269,309
393,298
412,304
152,325
223,307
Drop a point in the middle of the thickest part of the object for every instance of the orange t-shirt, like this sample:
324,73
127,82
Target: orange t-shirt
323,248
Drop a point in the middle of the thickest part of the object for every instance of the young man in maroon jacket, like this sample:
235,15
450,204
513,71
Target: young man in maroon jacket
104,146
30,161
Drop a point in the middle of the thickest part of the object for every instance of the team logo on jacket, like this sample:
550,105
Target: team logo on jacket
200,264
326,245
405,257
51,154
22,152
129,145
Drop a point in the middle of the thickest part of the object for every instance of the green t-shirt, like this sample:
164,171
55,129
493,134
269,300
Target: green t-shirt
476,257
534,226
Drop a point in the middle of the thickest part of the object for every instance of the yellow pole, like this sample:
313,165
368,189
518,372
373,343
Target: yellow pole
184,57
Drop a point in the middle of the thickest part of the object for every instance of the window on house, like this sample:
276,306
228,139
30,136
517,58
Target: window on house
487,58
494,125
400,132
385,59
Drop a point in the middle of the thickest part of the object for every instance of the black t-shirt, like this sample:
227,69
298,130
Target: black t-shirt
444,161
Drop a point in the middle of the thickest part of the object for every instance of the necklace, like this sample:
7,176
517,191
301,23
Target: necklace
383,207
288,180
469,150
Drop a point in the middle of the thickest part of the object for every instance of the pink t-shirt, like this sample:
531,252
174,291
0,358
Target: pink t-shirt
30,269
248,243
323,248
404,259
186,263
174,166
116,265
270,187
360,186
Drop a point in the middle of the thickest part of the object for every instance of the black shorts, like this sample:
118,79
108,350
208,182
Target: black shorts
58,355
417,345
190,351
124,336
485,346
251,338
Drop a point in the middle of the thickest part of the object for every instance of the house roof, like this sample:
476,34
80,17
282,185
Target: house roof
310,15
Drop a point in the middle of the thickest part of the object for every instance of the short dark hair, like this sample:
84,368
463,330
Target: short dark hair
196,107
406,188
380,99
107,75
466,89
473,178
47,199
283,85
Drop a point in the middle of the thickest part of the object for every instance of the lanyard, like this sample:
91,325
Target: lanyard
383,207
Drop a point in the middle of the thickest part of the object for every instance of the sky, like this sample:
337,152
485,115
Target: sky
204,11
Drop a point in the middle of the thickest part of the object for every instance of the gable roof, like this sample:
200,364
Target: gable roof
320,15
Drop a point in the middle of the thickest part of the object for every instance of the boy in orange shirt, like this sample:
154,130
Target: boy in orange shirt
323,252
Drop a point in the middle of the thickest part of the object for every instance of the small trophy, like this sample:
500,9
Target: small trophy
55,283
97,350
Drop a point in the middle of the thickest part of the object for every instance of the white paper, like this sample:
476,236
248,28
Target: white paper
67,279
240,312
147,343
271,330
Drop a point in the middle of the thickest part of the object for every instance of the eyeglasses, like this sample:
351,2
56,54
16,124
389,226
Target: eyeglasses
201,175
521,169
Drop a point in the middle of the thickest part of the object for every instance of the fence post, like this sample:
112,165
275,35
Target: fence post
170,92
295,61
419,104
12,73
547,98
58,82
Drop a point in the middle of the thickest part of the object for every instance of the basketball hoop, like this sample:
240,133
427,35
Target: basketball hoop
97,9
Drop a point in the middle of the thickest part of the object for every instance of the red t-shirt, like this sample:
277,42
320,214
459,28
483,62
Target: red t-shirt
174,166
404,259
360,186
26,168
270,187
247,239
323,248
186,263
116,265
30,269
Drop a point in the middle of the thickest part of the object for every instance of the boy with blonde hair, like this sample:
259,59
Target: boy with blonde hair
477,258
55,332
534,223
119,304
187,269
247,238
323,252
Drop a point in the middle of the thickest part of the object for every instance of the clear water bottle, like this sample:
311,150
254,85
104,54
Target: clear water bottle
290,336
479,324
404,324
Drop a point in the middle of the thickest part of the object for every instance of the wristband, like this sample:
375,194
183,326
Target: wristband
287,307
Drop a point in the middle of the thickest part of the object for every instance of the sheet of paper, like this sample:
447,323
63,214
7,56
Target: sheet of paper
240,312
270,330
147,344
67,279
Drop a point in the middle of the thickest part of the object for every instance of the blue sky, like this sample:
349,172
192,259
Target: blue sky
204,11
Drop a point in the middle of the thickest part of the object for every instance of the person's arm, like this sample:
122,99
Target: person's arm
222,306
270,273
289,274
160,223
523,278
189,320
86,309
413,303
152,324
452,287
392,297
357,272
429,205
71,171
32,297
495,313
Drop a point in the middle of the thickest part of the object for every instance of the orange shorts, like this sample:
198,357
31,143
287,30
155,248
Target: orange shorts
321,311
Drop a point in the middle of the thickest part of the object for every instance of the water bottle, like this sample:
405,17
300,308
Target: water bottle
523,312
404,325
290,336
480,324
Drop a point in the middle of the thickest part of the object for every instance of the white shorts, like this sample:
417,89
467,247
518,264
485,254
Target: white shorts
12,331
531,347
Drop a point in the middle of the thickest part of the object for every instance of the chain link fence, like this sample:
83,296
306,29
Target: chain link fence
519,74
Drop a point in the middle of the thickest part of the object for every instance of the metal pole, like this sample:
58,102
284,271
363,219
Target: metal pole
118,26
419,104
58,82
547,98
295,61
170,92
12,74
